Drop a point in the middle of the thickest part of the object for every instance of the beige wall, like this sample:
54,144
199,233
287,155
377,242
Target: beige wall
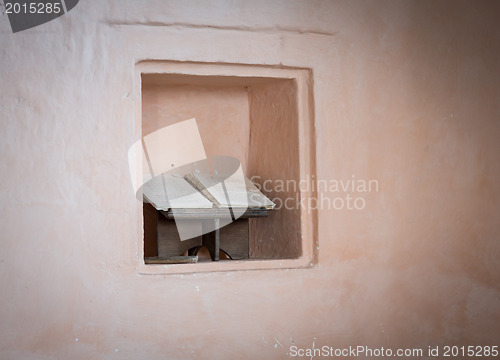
221,113
406,92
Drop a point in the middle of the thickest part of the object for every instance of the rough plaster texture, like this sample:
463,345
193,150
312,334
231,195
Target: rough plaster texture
405,92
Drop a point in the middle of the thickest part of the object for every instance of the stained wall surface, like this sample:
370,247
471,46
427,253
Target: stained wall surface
406,93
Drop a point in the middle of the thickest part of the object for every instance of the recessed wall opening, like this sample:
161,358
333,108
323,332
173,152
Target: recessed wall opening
255,119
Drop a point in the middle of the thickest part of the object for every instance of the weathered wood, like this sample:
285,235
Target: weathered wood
150,231
169,241
212,213
161,231
211,240
234,240
171,260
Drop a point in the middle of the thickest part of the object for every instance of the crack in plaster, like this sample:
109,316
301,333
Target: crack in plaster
216,27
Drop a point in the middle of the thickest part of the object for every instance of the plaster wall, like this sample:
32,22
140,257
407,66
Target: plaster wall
275,149
406,92
221,114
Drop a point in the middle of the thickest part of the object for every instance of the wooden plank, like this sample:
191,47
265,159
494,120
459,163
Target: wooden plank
212,213
169,241
171,260
234,240
211,240
150,230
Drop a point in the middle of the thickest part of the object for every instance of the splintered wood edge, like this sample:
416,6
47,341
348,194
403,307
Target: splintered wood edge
171,260
213,213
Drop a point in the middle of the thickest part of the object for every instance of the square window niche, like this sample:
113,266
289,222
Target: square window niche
261,115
